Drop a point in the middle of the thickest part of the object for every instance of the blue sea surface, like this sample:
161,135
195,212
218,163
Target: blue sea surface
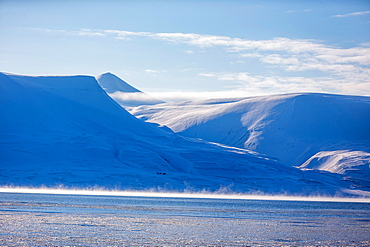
89,220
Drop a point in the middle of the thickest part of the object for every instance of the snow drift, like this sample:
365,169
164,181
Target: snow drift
123,93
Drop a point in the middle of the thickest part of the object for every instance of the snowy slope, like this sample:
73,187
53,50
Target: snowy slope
295,128
124,93
67,130
353,165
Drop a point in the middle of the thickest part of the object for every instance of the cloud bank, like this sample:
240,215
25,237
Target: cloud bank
344,70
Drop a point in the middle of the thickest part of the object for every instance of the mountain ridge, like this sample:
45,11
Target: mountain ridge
295,128
67,131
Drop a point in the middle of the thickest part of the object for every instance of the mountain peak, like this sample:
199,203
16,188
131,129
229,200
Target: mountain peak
123,93
112,83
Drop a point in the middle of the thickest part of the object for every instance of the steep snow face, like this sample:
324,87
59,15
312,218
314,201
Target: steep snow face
292,127
67,130
122,92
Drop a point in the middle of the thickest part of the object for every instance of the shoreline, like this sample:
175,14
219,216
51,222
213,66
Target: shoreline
171,194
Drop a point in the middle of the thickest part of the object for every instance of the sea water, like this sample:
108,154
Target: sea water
97,220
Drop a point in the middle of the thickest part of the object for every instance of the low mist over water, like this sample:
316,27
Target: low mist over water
171,194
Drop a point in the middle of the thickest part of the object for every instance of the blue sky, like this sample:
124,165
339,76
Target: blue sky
194,49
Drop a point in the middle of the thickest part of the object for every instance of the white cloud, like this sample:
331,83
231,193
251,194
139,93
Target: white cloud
120,33
262,85
82,32
360,54
299,11
189,69
207,74
342,66
278,59
189,51
190,96
123,38
88,32
133,97
237,62
353,14
153,71
251,55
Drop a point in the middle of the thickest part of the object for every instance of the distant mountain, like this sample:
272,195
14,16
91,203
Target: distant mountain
68,131
124,93
310,131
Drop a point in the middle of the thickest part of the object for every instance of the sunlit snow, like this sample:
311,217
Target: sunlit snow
66,130
311,131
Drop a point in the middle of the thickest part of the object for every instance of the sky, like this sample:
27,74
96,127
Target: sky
186,50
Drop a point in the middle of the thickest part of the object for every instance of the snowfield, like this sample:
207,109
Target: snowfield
310,131
67,131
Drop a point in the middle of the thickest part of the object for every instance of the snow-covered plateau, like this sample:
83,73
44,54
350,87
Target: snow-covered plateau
66,130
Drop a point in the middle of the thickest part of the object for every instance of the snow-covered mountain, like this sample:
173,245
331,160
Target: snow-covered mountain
67,130
123,93
312,131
